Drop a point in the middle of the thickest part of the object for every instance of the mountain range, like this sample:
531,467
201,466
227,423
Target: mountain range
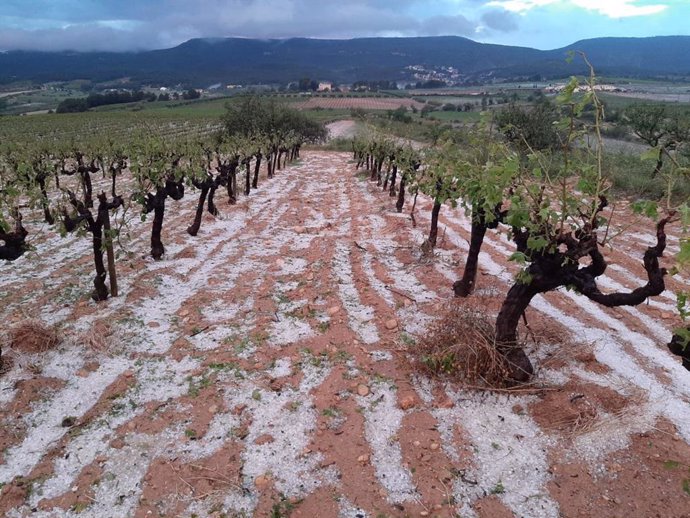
202,62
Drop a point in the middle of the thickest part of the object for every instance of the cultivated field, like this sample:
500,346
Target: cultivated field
267,368
365,103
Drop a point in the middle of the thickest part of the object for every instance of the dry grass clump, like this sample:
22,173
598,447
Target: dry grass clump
32,336
461,346
97,338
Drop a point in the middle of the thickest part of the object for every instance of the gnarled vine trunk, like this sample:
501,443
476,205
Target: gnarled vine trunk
96,227
104,218
15,241
156,203
157,248
401,194
212,209
193,229
433,231
465,286
45,205
551,270
257,165
394,177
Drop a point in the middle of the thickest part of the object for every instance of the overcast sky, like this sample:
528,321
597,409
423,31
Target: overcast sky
148,24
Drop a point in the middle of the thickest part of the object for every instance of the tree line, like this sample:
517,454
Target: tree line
82,104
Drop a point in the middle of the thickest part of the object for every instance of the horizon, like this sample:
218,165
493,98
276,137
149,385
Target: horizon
212,39
100,25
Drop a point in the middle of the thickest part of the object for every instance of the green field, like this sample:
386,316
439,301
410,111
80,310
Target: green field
444,116
37,100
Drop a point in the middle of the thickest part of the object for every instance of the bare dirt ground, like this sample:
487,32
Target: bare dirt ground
263,368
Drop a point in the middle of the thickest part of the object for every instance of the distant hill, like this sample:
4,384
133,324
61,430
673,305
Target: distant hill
201,62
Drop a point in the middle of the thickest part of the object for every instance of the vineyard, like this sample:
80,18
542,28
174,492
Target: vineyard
364,103
217,318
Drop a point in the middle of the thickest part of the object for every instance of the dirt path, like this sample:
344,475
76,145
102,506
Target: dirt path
342,129
264,367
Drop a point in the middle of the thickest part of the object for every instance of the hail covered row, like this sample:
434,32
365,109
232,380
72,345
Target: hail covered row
555,206
62,178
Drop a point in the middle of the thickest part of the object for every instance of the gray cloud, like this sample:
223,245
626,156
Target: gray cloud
135,25
500,20
146,24
448,25
79,37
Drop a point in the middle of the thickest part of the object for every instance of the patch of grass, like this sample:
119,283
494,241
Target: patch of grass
380,378
33,484
449,116
256,395
282,509
261,337
296,314
293,406
243,346
282,298
633,176
498,489
195,386
407,339
342,357
319,360
80,507
330,412
324,326
131,321
190,433
227,366
75,431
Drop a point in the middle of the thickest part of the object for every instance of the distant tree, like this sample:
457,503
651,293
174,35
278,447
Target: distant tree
426,109
306,85
358,113
191,94
648,122
72,105
529,128
431,83
400,115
